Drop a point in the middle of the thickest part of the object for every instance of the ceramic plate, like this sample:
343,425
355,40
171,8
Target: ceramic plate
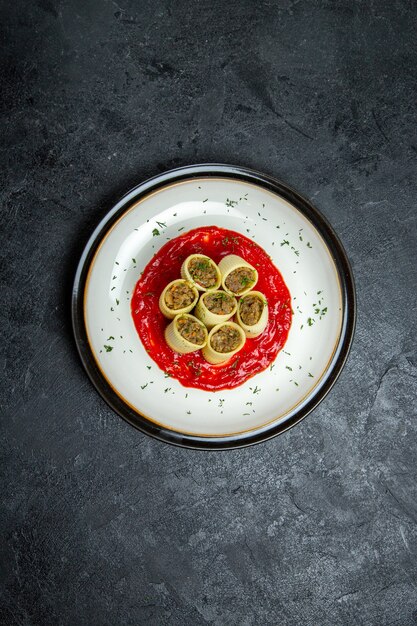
301,244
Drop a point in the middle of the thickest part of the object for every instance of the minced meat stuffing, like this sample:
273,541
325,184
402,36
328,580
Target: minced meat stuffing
240,279
250,310
219,303
203,272
191,330
179,296
225,339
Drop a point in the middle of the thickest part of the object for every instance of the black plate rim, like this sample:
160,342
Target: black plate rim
348,306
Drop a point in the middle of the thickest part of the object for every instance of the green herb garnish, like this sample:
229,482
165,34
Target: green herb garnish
245,281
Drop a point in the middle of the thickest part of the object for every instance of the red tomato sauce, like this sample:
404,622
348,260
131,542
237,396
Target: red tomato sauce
191,370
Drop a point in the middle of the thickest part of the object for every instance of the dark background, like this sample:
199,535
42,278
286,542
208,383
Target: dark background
102,525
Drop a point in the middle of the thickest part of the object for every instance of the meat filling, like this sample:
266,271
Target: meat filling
251,308
219,303
226,339
191,331
179,296
240,279
203,272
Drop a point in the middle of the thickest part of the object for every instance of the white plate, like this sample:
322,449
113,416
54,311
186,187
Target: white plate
302,246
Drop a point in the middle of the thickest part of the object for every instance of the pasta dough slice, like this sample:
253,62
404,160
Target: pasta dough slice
202,271
252,313
215,307
238,276
186,334
224,340
179,296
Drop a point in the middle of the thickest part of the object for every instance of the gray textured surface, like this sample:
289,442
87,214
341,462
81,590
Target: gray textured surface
102,525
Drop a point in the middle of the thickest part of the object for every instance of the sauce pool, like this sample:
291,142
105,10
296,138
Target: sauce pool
191,370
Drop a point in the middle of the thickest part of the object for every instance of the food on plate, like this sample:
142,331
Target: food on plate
224,341
215,307
202,271
179,296
194,362
252,313
238,276
186,334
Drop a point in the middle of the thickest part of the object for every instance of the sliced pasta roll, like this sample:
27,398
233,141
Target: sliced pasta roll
179,296
186,334
238,276
215,307
252,313
202,271
224,340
